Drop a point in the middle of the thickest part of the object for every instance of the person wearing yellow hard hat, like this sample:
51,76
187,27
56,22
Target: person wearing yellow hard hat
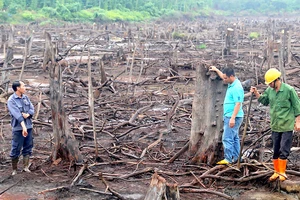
285,117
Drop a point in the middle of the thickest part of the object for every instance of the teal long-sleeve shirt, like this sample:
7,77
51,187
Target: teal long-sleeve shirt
284,107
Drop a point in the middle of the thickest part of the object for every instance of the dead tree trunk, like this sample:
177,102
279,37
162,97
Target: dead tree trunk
8,59
207,121
227,49
91,103
282,55
66,146
29,45
8,55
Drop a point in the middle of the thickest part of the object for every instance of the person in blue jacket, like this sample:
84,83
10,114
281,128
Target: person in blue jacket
21,111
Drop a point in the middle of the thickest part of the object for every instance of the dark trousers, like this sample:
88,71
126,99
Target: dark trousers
282,143
19,142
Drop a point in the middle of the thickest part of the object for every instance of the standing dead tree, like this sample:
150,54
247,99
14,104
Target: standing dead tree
66,146
8,55
207,118
28,44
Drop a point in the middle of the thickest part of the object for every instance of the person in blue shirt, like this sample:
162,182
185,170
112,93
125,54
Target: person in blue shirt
21,111
232,115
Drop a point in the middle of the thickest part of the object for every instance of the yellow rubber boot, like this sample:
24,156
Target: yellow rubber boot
282,168
223,162
276,170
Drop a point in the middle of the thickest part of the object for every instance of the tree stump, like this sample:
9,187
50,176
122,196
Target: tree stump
207,120
160,190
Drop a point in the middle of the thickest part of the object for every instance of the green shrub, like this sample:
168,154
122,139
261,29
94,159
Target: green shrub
27,15
171,14
73,7
201,46
100,17
177,35
14,8
49,12
115,15
253,35
49,22
85,15
151,9
63,12
3,16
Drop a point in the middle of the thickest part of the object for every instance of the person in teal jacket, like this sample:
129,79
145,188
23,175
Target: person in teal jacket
285,117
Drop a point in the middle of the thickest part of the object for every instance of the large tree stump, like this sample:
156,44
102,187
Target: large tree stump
207,120
66,146
159,189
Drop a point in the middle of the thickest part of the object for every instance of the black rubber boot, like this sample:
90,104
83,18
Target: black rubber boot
26,163
14,164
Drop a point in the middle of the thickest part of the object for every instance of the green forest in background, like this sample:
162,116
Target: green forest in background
17,11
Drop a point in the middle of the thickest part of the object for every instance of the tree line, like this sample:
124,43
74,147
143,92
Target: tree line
134,10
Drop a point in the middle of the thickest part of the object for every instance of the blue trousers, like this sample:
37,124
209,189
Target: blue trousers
19,142
231,140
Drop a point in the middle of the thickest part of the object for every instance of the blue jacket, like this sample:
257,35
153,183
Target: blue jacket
16,106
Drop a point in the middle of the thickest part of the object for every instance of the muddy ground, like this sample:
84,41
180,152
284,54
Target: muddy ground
139,60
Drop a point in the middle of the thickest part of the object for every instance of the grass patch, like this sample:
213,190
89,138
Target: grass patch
254,35
201,46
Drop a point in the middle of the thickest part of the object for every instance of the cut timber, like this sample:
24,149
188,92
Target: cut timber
66,146
159,189
207,121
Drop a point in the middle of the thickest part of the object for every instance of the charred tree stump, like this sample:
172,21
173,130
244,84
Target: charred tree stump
160,190
66,146
207,121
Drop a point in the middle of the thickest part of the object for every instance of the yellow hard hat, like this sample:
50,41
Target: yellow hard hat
271,75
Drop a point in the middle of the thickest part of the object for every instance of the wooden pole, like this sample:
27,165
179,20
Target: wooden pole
244,133
91,103
289,48
24,61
